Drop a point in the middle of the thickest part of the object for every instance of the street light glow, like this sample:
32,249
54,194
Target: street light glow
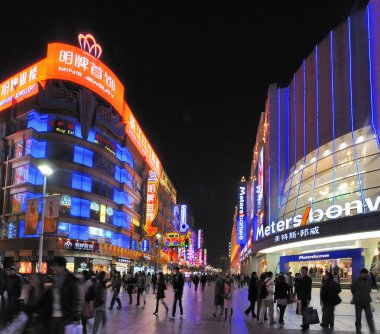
45,170
158,235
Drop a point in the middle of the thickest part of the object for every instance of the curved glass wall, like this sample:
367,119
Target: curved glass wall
342,171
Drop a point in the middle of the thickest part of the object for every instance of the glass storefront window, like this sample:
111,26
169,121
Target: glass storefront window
329,175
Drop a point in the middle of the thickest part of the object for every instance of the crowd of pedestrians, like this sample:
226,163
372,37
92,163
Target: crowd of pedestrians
52,306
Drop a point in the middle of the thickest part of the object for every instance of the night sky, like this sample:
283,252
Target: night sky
195,72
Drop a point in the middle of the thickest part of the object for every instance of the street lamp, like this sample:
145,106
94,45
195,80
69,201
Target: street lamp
46,171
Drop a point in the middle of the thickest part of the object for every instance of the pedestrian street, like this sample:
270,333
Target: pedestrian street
198,309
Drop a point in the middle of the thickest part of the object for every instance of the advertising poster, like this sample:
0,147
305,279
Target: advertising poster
51,214
31,216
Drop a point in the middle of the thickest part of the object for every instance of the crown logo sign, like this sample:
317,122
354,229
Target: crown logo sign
88,44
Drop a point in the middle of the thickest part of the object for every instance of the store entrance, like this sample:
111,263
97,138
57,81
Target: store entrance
342,268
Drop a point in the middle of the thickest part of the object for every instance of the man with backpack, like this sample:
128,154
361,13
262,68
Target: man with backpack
266,297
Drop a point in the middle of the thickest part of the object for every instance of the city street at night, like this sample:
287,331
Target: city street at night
148,148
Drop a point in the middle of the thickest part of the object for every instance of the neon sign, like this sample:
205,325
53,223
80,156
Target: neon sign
145,246
151,203
174,239
184,227
311,216
88,43
200,239
138,137
241,219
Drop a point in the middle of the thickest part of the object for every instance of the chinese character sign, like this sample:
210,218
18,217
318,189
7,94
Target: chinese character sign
67,62
241,218
21,85
138,137
151,203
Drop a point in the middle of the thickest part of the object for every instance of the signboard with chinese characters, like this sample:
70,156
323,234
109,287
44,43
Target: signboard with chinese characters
145,245
241,217
174,239
67,62
21,86
62,126
138,137
297,235
151,203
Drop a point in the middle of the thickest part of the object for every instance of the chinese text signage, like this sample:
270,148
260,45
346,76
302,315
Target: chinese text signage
151,203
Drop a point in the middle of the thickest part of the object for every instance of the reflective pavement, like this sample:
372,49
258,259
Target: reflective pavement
198,309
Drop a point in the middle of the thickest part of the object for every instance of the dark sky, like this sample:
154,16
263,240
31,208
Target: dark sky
195,72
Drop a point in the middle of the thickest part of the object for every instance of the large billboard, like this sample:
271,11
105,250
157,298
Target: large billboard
241,217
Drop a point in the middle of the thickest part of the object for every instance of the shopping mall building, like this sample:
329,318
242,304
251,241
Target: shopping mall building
314,193
68,111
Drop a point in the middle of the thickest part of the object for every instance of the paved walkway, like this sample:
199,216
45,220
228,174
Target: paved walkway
198,308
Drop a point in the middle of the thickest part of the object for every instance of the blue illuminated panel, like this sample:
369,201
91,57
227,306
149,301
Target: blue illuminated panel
81,182
83,156
80,207
37,122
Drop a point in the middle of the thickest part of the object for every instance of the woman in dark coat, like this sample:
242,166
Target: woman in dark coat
252,295
161,287
281,295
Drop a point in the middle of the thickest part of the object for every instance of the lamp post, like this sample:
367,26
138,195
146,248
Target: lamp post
46,171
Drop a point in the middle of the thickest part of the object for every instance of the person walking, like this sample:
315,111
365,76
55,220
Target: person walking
305,293
33,305
329,299
203,282
228,293
281,295
86,305
361,293
100,302
14,287
3,287
252,295
219,296
260,282
148,282
161,287
242,279
154,282
196,282
140,284
130,286
266,296
116,287
63,300
178,283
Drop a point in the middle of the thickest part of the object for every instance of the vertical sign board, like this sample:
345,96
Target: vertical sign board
51,213
151,203
241,218
258,191
183,227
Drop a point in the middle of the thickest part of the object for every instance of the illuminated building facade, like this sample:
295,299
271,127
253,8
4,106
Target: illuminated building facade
68,110
315,172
